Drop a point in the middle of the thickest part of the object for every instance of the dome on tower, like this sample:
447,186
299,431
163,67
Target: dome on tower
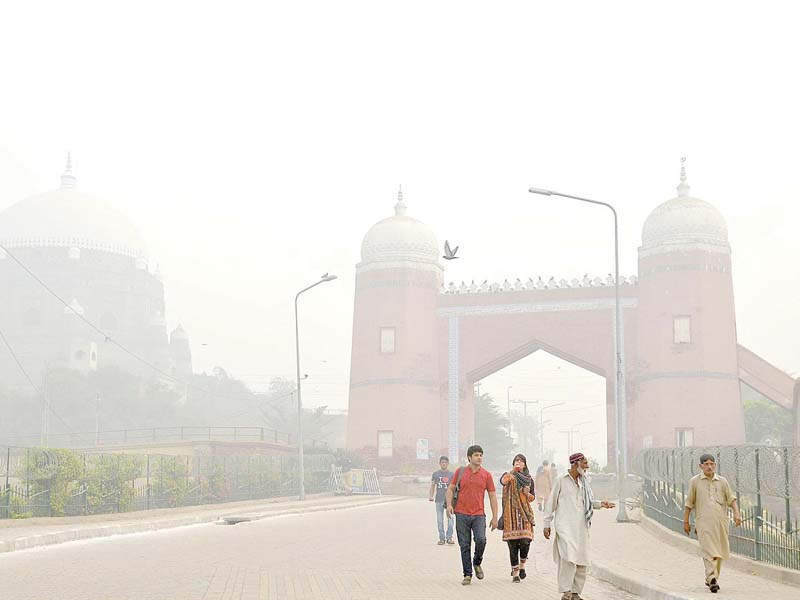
70,219
684,220
400,238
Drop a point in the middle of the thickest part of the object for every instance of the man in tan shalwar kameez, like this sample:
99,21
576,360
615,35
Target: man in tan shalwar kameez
542,484
569,512
709,496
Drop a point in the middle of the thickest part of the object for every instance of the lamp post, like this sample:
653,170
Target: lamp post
300,458
508,410
619,384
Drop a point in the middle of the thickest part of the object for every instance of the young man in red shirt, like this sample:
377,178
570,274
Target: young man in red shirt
473,482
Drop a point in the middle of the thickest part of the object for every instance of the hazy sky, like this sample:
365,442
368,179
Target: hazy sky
254,144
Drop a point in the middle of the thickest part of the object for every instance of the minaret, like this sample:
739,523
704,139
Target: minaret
67,178
394,394
180,353
687,378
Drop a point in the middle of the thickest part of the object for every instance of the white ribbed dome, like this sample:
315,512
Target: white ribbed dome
684,220
70,219
400,238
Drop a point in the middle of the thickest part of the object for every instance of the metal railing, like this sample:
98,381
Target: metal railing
149,435
766,482
38,482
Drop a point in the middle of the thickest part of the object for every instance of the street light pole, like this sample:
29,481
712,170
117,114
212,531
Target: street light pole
508,410
619,384
300,457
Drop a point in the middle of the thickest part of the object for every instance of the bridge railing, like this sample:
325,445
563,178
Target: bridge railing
149,435
765,479
36,482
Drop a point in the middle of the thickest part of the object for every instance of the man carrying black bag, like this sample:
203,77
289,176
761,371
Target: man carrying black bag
465,498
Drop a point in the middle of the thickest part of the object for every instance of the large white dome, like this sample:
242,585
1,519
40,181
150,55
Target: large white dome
400,238
684,220
71,219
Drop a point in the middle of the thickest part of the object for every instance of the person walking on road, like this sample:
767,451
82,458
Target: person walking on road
465,497
568,513
710,495
517,518
439,482
543,482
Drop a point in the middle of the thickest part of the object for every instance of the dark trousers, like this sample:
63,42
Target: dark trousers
518,549
468,527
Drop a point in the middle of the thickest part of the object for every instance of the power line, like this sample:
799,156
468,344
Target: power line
33,385
107,338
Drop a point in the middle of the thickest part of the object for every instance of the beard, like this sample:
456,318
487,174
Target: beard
581,472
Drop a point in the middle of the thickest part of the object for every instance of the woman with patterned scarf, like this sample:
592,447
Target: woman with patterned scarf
517,515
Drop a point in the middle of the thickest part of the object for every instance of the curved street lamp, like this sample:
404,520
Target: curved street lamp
619,385
300,458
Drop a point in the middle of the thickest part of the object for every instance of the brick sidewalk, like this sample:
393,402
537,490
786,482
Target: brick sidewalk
627,551
379,552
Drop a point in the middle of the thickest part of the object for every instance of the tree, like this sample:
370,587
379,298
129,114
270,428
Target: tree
491,434
764,420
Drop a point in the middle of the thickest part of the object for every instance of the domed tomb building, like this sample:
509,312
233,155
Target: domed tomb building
94,259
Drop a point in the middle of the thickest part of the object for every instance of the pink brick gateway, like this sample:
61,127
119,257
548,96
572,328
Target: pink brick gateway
419,347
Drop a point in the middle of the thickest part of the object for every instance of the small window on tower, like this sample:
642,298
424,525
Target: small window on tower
385,443
682,329
684,437
387,340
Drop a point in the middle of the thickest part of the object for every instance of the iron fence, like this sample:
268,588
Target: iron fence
149,435
39,482
765,479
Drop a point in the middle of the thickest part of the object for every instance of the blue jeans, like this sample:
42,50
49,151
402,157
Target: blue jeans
467,527
441,515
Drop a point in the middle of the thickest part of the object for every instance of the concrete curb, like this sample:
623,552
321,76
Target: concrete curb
738,562
74,535
633,586
247,517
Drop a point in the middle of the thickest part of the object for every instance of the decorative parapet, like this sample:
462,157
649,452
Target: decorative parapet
72,242
539,284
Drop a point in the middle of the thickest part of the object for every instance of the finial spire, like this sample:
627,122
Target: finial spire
683,187
400,207
68,179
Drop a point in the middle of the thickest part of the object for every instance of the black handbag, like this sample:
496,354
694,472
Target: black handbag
455,489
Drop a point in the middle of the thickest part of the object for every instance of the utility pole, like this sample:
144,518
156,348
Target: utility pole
569,433
525,420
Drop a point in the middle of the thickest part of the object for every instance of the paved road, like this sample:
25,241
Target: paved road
383,552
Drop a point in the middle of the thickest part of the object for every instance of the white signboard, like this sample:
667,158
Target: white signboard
422,449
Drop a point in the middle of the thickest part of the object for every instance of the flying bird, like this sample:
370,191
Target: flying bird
448,253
